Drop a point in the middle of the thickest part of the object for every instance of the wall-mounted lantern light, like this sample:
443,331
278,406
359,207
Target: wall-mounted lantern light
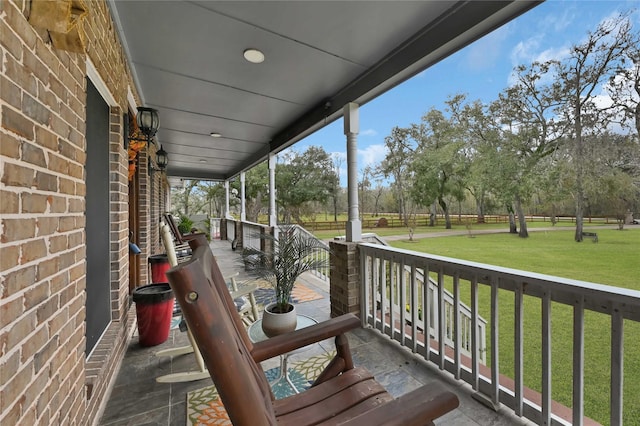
161,158
148,122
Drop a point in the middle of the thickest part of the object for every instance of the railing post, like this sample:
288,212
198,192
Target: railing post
223,229
344,292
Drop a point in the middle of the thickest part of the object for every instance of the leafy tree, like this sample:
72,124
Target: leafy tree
440,164
396,165
185,201
303,178
482,135
530,132
214,196
256,190
336,191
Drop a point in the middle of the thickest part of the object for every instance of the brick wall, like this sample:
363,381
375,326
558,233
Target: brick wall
45,377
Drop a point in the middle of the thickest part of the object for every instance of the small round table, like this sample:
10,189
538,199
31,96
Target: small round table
257,335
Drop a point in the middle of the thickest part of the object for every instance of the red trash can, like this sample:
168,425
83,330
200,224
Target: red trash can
159,265
154,309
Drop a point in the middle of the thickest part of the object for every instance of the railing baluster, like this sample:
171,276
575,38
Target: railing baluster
403,297
414,311
426,308
578,361
495,371
366,289
475,355
518,349
617,365
441,319
383,294
546,358
456,324
375,284
392,302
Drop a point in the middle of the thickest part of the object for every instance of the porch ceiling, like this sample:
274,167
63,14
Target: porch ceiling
187,60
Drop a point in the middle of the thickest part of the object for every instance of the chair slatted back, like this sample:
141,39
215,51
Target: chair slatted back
222,338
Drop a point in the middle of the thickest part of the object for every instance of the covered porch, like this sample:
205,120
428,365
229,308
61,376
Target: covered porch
73,196
138,399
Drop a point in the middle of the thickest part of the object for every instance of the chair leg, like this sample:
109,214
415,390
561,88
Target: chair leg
188,376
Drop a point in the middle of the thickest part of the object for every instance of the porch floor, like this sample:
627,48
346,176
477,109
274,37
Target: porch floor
137,399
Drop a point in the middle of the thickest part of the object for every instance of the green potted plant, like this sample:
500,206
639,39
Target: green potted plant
289,254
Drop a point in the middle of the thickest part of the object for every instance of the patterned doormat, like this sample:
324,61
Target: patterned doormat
204,407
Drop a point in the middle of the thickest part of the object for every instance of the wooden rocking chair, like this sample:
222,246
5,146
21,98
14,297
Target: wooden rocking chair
248,312
342,394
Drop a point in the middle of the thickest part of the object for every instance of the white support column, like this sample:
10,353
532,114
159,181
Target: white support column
243,211
351,130
273,215
227,213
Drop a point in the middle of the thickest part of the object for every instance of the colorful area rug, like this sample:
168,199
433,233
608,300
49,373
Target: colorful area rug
204,407
301,293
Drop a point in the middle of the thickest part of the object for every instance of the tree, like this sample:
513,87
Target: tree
396,165
589,65
256,190
214,197
482,135
440,164
624,84
338,161
303,178
184,203
530,132
364,189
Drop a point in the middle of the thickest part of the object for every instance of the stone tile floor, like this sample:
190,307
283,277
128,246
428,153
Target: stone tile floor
137,399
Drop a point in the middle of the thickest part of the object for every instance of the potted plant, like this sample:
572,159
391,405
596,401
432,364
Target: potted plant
288,255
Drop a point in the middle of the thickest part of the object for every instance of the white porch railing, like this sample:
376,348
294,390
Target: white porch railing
231,229
464,314
386,283
319,254
251,234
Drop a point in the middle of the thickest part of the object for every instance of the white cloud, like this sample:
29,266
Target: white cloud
487,51
368,132
558,22
371,155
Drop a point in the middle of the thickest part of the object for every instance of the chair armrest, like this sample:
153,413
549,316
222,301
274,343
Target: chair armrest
288,342
416,408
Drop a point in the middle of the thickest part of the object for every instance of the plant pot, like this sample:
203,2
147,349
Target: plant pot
274,323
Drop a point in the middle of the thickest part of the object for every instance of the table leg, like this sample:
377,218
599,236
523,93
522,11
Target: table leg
284,374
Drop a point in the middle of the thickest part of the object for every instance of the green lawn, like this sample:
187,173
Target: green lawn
615,260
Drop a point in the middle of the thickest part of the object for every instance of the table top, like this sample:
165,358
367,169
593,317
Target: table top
257,335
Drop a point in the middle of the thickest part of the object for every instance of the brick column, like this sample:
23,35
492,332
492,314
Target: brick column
344,292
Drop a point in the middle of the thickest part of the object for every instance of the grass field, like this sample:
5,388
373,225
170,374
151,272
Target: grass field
615,260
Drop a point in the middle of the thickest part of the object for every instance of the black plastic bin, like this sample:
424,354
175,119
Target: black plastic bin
154,309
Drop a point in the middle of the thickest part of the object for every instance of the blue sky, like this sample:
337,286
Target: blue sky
481,71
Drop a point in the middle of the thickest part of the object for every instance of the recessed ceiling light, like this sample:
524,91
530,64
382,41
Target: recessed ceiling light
215,134
202,160
254,55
